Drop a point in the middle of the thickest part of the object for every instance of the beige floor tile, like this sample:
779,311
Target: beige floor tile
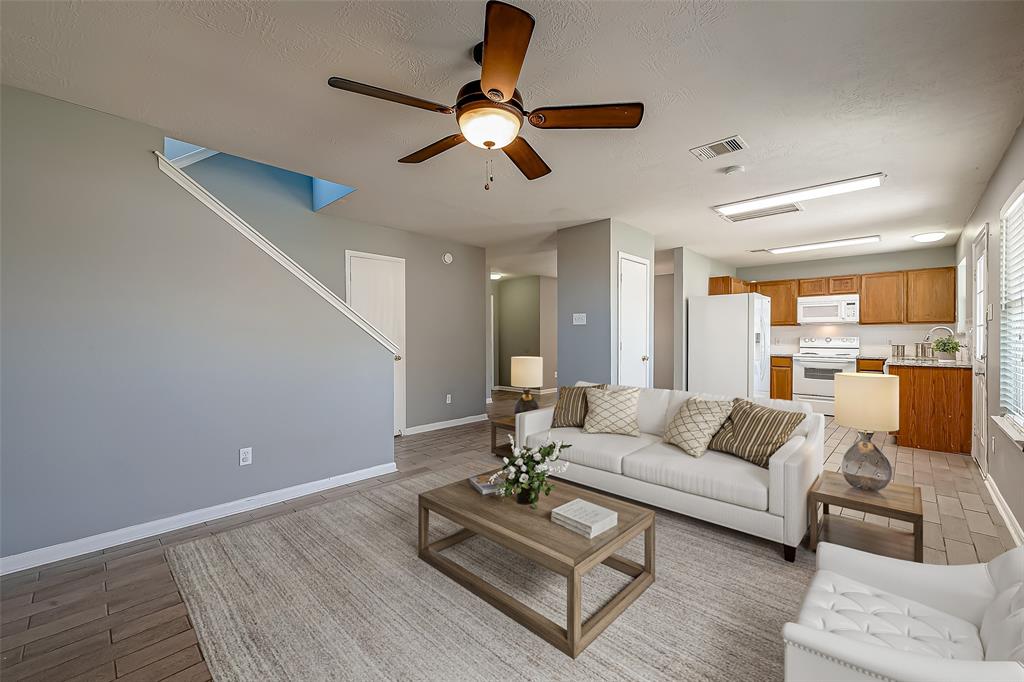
986,546
853,514
931,511
901,525
923,477
877,520
1004,536
954,528
934,556
979,522
950,506
927,493
904,469
973,502
933,536
960,552
996,517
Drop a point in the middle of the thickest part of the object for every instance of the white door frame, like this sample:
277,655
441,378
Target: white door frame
402,412
648,369
979,388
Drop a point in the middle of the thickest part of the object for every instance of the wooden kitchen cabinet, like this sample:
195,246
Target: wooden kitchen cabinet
847,284
931,295
871,365
727,285
883,298
783,294
935,408
782,377
813,287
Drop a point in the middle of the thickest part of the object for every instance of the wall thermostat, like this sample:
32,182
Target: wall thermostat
447,258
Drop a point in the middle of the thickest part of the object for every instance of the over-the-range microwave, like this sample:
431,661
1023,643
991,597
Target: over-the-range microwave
828,309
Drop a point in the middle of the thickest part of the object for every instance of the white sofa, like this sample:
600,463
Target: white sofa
721,488
868,617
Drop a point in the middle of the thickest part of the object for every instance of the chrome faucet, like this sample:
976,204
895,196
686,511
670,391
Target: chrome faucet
928,336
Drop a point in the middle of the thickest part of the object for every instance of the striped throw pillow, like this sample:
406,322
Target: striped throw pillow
571,408
754,432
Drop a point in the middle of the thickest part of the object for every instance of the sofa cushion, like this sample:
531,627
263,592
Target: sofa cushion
716,475
1002,627
603,451
612,411
754,432
571,408
650,410
695,423
855,611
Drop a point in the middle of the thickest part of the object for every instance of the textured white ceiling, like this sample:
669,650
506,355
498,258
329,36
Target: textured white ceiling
929,93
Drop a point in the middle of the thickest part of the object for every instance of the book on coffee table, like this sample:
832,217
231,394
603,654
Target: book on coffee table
585,518
482,484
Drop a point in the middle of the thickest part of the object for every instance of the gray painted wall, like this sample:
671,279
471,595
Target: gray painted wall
1006,463
584,286
549,329
144,342
518,322
691,272
445,304
853,265
663,334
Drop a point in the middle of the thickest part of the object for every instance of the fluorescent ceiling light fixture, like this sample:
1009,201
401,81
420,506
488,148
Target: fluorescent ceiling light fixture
496,275
926,237
818,191
825,245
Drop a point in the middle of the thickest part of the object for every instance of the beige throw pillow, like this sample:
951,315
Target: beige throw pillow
611,411
754,432
695,423
571,408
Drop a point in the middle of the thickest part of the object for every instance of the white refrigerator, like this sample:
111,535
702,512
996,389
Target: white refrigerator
728,345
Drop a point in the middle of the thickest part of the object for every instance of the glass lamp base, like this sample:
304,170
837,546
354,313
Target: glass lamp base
864,465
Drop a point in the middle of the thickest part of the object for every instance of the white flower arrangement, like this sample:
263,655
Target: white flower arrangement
526,476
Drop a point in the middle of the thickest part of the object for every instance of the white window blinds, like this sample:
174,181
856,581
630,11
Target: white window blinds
1011,322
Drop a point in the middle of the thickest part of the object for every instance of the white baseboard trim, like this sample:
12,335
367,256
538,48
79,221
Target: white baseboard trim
536,391
66,550
1012,525
423,428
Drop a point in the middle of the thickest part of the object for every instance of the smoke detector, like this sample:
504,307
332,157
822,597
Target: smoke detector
713,150
733,170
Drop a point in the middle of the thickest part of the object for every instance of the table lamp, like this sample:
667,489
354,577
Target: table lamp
527,373
867,403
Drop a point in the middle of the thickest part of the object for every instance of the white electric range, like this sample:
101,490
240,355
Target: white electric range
816,365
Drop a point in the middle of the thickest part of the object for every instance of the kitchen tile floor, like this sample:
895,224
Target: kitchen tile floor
117,613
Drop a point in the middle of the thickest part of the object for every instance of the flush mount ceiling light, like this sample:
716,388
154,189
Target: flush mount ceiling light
926,237
807,193
496,275
825,245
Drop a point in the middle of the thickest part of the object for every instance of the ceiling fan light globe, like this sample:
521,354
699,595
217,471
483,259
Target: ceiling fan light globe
489,127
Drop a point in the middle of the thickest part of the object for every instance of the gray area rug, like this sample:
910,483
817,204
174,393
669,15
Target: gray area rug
336,592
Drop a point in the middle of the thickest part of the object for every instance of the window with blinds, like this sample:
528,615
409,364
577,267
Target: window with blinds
1011,322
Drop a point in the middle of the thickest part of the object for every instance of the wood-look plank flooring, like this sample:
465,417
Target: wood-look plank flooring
117,614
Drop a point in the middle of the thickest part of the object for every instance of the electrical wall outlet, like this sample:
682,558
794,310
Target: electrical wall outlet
244,457
579,318
447,398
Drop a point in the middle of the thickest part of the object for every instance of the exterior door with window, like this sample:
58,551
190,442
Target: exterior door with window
979,349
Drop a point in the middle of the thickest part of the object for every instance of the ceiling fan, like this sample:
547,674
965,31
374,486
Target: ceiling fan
490,111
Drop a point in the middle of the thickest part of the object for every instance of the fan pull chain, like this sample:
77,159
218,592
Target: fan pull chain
488,173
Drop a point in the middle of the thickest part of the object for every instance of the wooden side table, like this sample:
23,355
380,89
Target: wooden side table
895,501
508,424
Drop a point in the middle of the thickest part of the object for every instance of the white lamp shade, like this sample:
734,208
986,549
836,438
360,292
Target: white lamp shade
527,371
868,402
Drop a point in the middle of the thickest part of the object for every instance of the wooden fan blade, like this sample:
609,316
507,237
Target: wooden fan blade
507,32
432,150
626,115
525,159
381,93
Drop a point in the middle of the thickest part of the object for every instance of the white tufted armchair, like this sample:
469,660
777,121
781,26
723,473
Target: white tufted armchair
867,617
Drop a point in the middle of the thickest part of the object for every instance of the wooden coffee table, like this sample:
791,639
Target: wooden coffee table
531,534
895,501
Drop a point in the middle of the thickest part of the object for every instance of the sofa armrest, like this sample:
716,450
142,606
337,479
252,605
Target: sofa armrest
814,655
534,421
791,472
963,591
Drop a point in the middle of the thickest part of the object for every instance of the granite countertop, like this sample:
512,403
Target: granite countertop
929,362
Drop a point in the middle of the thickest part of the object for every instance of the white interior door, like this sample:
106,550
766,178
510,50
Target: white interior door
375,289
979,352
634,321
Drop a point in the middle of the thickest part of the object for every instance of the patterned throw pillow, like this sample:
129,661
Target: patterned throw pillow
695,423
754,432
612,411
571,408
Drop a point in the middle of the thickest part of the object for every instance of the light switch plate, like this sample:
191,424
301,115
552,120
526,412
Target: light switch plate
579,318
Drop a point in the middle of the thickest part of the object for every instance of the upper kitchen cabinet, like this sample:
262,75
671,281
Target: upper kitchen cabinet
883,298
931,295
727,285
783,294
847,284
813,287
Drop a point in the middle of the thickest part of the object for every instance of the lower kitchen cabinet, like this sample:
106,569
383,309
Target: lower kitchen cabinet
935,408
782,377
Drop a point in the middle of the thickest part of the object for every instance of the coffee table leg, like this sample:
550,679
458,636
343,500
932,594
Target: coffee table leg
649,549
424,528
919,541
574,612
494,438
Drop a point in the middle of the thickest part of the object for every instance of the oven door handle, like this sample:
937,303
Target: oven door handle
825,364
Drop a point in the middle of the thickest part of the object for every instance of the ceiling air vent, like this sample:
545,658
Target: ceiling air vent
713,150
763,212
